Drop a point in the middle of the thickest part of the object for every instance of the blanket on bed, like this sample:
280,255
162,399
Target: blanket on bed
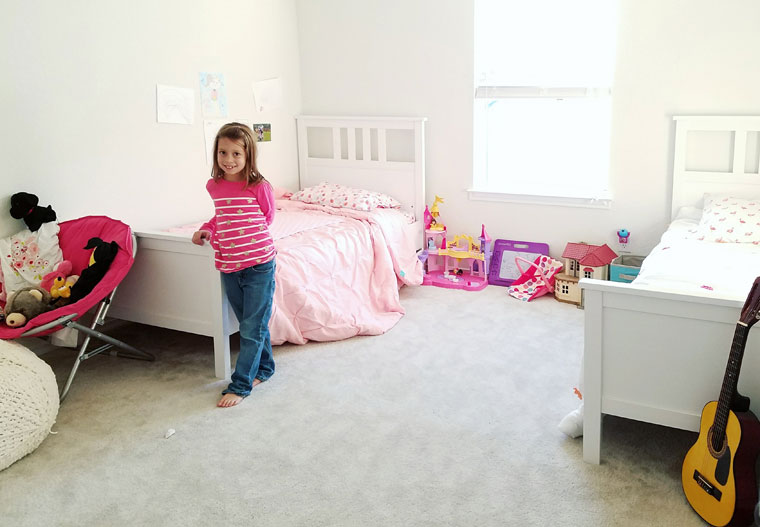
341,279
338,271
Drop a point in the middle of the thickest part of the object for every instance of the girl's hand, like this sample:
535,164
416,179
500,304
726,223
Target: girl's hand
200,237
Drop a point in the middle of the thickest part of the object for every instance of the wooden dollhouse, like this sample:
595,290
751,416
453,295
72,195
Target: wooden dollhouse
581,261
461,263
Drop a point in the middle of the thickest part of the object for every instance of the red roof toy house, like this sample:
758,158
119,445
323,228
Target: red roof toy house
582,261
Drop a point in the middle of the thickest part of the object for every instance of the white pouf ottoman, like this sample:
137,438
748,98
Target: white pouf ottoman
28,402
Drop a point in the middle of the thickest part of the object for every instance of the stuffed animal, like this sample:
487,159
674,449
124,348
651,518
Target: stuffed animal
60,281
100,261
24,206
25,304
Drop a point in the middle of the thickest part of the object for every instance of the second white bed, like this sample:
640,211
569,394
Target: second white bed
655,350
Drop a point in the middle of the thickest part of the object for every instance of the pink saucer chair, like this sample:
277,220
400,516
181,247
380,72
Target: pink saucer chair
72,238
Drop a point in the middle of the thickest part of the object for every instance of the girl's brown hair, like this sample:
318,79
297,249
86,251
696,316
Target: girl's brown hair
242,134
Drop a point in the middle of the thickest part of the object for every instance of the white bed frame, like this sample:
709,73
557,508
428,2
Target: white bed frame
173,283
658,356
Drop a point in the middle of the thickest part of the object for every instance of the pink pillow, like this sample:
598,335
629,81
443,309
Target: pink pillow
726,219
335,195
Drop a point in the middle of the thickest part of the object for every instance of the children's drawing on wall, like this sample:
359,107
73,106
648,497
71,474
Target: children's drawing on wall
174,105
210,128
213,95
267,95
263,131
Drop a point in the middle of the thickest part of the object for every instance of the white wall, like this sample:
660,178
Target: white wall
79,110
414,57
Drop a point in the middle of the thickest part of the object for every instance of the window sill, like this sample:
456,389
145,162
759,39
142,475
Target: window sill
603,202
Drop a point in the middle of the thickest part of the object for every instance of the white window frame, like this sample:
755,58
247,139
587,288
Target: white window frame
480,189
594,195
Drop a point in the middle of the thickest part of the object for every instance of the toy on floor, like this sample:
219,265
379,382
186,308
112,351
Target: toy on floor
582,261
537,279
459,264
572,423
25,304
24,206
100,261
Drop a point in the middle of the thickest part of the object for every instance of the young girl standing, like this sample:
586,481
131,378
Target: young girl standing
244,252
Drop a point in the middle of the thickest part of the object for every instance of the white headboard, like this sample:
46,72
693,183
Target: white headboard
383,154
740,175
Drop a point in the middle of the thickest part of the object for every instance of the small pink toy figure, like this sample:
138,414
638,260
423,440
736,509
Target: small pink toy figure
427,217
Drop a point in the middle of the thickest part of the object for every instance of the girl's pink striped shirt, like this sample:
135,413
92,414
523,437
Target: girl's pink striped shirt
240,227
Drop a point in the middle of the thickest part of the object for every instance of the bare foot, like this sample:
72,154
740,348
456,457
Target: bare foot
229,399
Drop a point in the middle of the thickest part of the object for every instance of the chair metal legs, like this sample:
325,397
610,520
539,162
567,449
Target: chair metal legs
129,352
67,321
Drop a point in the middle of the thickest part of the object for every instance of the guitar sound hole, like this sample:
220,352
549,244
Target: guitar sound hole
717,454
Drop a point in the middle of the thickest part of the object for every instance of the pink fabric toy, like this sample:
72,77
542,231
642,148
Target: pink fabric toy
59,282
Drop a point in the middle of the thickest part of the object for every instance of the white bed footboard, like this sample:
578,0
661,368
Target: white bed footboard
657,357
173,284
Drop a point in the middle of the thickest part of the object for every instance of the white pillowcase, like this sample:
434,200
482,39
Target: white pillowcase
689,213
726,219
27,256
335,195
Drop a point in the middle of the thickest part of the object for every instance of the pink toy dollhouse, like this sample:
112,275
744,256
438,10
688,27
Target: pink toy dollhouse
459,264
588,261
582,261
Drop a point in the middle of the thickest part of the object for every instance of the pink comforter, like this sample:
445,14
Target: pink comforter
341,279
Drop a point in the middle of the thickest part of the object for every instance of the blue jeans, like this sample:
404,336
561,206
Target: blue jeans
250,293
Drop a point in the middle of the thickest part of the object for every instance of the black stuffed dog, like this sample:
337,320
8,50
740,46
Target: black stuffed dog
100,261
24,206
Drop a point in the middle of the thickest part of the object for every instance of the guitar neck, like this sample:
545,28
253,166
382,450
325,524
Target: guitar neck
730,383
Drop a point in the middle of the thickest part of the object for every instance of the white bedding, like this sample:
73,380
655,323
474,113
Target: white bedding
680,263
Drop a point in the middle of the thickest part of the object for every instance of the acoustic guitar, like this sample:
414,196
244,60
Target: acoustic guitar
718,474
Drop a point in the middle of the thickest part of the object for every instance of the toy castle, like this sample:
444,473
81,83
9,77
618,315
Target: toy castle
461,263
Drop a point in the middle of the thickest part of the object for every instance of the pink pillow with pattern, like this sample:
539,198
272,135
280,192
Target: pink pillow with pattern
341,196
730,220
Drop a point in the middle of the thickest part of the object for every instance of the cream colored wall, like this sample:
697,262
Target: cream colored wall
78,96
415,58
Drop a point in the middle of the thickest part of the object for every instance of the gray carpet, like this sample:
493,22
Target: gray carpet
450,418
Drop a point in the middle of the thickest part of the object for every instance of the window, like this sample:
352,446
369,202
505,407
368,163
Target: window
542,106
